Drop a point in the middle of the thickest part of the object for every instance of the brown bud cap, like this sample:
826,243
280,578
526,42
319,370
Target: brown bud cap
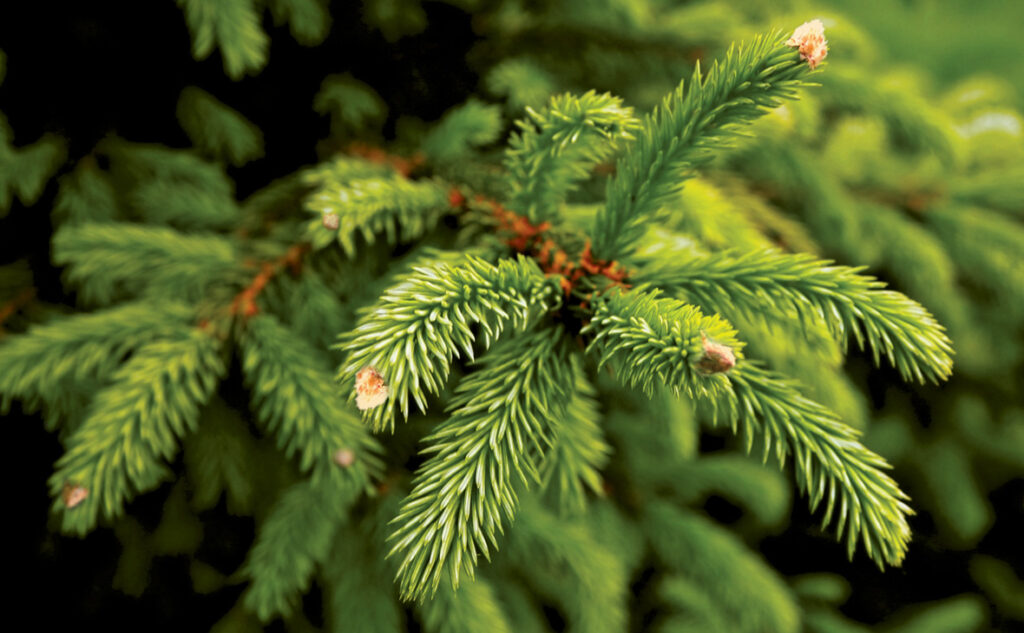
331,221
73,494
717,358
344,457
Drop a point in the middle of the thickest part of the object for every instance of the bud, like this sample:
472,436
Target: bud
809,38
73,494
371,390
344,457
717,358
331,221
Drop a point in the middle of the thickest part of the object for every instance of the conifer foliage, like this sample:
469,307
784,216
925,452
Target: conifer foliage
474,372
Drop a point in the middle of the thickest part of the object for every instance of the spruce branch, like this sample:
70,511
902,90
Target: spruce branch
474,607
24,171
231,25
830,463
351,104
217,129
763,283
133,425
309,21
503,415
112,260
399,208
166,202
295,538
86,195
678,137
557,146
565,559
358,582
579,452
464,127
295,398
422,322
654,341
40,364
747,594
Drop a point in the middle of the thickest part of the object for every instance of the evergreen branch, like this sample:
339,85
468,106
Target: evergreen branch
913,121
183,205
522,83
501,416
309,21
296,537
86,195
133,426
679,136
294,397
39,364
351,104
579,452
831,464
472,124
659,341
772,282
221,458
987,248
422,322
112,260
563,559
139,163
557,146
743,590
24,171
216,129
473,608
401,209
359,586
231,25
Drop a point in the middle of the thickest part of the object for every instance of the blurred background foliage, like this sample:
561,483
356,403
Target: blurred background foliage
908,159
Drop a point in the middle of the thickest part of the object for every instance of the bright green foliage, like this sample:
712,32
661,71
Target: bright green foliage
655,341
474,608
579,452
117,260
814,290
559,145
367,207
423,322
39,365
569,456
233,26
500,416
830,463
216,129
134,425
295,399
691,122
